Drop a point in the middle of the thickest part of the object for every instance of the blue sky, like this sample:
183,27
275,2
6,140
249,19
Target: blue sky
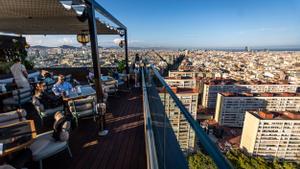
201,23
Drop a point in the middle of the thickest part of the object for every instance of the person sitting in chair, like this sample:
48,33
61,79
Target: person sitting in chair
48,78
61,86
48,100
61,127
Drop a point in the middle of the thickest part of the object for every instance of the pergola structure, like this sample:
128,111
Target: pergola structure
62,17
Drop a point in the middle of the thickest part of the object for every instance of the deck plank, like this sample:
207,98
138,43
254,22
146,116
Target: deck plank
123,147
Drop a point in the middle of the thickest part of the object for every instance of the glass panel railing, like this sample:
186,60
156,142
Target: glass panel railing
179,139
152,162
169,154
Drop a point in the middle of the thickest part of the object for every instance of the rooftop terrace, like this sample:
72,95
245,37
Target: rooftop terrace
178,90
214,81
123,147
271,115
284,94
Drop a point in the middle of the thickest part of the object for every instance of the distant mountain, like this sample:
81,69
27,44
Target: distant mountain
41,47
63,47
68,47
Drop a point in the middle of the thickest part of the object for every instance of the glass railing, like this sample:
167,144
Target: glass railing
180,142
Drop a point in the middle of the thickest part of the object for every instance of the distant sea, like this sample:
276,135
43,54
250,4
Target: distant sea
272,49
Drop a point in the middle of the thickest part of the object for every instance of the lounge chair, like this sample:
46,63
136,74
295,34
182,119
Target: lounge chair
46,146
12,117
19,98
83,108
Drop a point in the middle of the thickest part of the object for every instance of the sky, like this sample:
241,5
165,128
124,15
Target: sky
199,24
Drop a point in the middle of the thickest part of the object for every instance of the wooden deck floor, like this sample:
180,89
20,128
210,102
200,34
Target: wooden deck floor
123,147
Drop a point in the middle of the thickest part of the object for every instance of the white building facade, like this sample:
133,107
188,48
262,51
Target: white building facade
272,136
230,109
183,131
210,92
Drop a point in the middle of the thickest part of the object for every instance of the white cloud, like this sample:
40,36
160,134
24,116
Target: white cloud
58,40
53,40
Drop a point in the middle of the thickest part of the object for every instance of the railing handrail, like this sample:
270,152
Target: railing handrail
207,144
152,162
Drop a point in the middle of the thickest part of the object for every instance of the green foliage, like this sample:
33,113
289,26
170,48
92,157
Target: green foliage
28,64
242,161
16,51
201,161
287,165
121,66
5,67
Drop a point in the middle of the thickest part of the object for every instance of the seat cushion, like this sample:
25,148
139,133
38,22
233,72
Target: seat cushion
87,113
52,111
45,146
10,101
12,117
120,82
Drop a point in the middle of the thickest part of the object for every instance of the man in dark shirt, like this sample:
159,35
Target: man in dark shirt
48,100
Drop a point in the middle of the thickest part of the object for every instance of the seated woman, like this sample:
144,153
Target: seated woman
61,127
48,100
61,86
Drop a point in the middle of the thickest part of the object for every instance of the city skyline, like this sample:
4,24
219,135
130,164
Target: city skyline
199,24
201,84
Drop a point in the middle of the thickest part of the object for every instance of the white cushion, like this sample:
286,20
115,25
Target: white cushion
5,166
12,117
9,101
45,146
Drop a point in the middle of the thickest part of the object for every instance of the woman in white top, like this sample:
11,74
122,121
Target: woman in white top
20,74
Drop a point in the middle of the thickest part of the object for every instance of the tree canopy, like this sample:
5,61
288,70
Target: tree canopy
242,161
201,161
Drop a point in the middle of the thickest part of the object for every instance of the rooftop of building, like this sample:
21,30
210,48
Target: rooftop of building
179,78
178,90
266,94
271,115
181,72
220,81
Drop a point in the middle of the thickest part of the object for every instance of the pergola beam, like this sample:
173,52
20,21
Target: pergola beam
105,13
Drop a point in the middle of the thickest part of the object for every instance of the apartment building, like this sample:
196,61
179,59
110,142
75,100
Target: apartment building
181,82
213,87
182,74
231,107
272,134
183,131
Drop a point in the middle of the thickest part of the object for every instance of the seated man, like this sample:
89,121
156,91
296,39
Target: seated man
48,100
48,78
61,86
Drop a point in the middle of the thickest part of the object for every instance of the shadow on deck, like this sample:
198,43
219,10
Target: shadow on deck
123,147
